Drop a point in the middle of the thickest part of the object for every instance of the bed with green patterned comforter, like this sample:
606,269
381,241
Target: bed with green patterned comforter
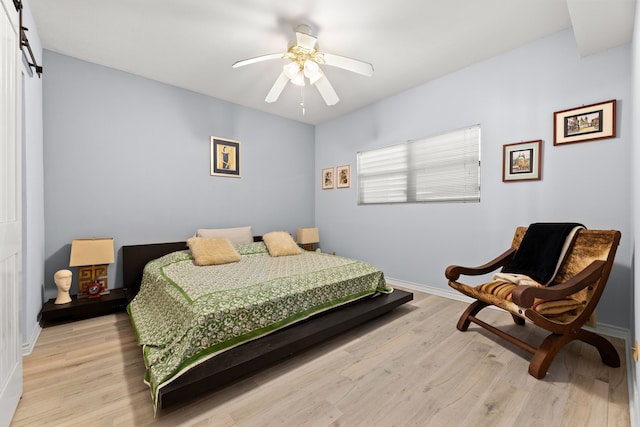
185,314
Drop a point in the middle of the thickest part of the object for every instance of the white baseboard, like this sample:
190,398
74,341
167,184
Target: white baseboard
27,347
446,293
602,328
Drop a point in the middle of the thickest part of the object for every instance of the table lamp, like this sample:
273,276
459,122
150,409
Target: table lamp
92,256
306,237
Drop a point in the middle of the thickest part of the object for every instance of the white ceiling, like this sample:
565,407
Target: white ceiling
192,43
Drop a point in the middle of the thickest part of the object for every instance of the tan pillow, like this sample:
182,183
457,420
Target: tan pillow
212,251
280,243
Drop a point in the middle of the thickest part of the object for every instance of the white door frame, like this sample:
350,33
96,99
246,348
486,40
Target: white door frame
10,212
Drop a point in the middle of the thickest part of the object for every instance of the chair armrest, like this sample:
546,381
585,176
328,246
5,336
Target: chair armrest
524,296
453,272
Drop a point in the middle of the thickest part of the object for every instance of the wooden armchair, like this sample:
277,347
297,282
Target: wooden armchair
561,308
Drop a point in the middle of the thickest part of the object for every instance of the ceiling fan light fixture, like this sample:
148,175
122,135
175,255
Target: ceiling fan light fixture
291,70
298,79
294,73
311,69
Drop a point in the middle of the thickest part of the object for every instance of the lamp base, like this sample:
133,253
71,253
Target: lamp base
89,276
307,246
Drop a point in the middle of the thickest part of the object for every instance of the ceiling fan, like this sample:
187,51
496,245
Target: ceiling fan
305,62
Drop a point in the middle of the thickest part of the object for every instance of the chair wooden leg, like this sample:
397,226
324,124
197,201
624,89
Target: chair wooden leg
518,320
472,310
545,354
553,344
607,351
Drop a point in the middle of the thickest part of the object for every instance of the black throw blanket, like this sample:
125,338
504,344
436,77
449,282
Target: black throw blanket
540,250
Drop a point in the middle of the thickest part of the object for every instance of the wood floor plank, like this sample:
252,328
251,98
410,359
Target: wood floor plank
409,367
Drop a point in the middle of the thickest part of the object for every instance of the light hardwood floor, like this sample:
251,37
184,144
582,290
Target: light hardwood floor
411,367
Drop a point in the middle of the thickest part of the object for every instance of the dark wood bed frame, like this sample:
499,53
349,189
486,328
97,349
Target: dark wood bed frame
258,354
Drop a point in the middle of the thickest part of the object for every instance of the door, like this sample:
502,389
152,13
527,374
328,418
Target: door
10,213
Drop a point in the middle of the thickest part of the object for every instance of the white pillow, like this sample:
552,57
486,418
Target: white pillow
236,235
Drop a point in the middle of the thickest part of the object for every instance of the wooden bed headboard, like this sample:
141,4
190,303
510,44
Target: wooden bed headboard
135,257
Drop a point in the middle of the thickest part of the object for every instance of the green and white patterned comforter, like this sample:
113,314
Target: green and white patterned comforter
185,314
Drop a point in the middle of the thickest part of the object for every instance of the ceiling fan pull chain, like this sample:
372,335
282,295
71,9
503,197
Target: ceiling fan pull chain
302,100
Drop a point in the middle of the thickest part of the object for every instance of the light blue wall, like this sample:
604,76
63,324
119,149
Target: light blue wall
127,157
513,97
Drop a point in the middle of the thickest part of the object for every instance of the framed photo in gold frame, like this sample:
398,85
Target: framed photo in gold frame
522,161
327,179
343,176
595,121
225,157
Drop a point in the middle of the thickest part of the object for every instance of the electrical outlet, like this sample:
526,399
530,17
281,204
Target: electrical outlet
635,351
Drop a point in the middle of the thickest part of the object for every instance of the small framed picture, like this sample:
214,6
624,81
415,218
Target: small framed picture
343,174
327,178
595,121
522,161
225,157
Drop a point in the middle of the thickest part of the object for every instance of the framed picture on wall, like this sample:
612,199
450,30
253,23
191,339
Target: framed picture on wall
522,161
225,157
327,178
343,176
595,121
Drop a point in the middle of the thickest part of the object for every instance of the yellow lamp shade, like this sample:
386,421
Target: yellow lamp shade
307,235
91,252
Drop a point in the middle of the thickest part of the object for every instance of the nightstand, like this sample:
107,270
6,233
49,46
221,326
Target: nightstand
83,308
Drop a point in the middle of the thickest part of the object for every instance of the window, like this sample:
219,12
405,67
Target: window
441,168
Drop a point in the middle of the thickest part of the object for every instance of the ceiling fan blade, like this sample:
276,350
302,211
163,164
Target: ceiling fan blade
326,90
348,64
277,88
257,59
306,41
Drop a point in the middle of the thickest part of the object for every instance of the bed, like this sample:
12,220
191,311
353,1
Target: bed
196,340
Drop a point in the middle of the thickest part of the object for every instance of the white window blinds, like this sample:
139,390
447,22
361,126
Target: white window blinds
441,168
